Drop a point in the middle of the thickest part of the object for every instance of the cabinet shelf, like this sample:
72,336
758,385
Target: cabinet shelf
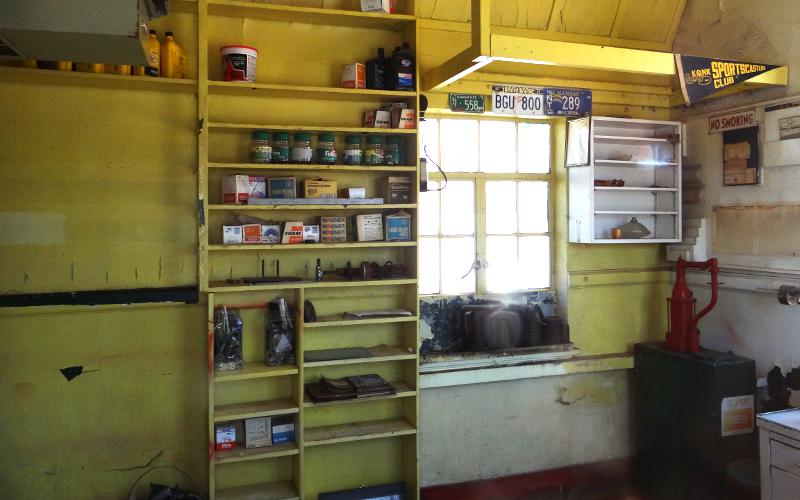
283,490
310,246
403,391
217,286
379,355
312,207
633,212
302,168
247,454
309,15
96,80
634,163
236,127
281,90
254,370
629,139
258,409
634,189
358,431
332,321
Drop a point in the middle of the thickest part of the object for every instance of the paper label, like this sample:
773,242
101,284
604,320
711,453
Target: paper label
737,415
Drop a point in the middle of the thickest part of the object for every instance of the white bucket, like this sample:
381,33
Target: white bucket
239,63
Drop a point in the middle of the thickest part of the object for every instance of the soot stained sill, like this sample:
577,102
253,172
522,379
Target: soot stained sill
184,294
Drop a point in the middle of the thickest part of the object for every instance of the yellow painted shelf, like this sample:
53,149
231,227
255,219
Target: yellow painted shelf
312,207
96,80
283,490
379,355
281,90
254,370
258,409
329,321
311,246
236,127
222,286
246,454
302,168
358,431
309,15
403,391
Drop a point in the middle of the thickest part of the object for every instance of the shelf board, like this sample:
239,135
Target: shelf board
302,168
246,454
283,490
241,411
309,15
329,321
311,207
403,391
302,91
222,286
236,127
358,431
632,188
625,138
628,163
636,240
633,212
310,246
380,355
254,370
96,80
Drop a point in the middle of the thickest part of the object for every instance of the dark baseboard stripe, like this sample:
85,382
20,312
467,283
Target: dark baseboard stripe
183,294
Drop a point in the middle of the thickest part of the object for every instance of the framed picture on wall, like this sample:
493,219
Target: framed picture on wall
740,158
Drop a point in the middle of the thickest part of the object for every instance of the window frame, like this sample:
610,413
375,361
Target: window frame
479,179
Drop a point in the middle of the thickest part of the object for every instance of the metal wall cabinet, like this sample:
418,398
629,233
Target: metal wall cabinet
646,156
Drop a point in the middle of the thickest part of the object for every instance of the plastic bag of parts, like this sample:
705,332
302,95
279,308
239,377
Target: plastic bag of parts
280,334
227,340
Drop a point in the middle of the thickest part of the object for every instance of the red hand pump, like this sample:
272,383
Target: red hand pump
683,335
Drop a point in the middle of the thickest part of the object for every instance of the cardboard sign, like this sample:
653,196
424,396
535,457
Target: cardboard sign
702,76
732,121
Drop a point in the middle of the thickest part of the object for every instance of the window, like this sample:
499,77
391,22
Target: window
486,228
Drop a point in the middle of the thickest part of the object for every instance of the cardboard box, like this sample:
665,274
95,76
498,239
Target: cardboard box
377,5
252,233
282,430
257,432
398,189
356,193
311,234
282,187
318,188
404,118
225,436
232,234
237,189
354,76
369,227
398,227
377,118
333,229
292,233
270,233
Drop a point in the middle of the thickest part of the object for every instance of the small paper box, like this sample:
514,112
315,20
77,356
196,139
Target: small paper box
354,193
311,234
257,432
225,436
403,118
354,76
369,227
333,229
282,430
232,234
377,5
252,233
270,233
237,189
398,227
318,188
282,187
377,119
398,189
292,233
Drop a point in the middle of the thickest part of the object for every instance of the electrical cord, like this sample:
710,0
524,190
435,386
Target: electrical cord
444,175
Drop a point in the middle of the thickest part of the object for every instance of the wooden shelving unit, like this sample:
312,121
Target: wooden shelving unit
228,113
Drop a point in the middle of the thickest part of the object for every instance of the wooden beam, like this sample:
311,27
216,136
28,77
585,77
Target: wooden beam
481,26
454,69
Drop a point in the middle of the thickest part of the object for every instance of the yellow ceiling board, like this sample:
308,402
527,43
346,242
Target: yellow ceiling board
513,69
586,17
445,10
650,21
487,76
526,14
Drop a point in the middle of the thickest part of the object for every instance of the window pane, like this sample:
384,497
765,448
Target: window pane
428,219
534,262
459,145
501,207
534,147
501,253
533,207
458,255
458,208
429,141
498,146
428,265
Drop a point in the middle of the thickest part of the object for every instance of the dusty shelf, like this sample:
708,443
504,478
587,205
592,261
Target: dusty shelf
254,370
302,168
283,490
358,431
403,391
246,454
311,207
302,91
96,80
329,321
241,411
379,355
237,127
310,246
216,286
